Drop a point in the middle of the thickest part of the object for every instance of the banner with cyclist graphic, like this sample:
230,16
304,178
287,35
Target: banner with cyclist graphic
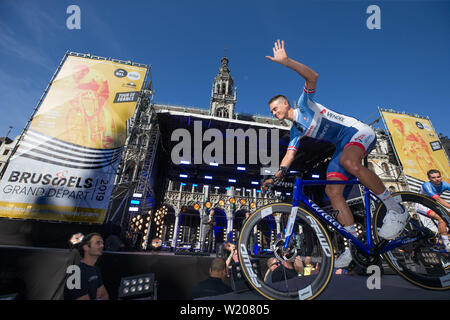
64,167
417,145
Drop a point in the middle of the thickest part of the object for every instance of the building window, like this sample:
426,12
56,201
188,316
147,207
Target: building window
222,112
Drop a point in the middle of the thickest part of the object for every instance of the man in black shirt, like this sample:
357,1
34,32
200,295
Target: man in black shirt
91,284
214,285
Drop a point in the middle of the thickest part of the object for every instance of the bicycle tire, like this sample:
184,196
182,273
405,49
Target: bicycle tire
319,280
398,261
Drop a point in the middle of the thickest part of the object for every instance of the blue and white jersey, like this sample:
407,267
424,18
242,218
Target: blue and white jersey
432,190
313,120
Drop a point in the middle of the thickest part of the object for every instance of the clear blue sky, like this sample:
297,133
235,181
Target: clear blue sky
404,66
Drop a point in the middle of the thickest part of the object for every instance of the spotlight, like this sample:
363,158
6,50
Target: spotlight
139,286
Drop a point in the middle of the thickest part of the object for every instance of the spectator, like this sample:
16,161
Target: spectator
309,269
279,271
214,285
232,256
91,286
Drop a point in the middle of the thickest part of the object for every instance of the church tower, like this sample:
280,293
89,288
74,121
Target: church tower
223,99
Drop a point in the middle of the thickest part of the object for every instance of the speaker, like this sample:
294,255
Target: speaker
238,281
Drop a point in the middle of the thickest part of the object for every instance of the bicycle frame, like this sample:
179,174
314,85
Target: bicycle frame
368,248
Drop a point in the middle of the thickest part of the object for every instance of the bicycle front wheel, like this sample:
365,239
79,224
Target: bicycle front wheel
274,270
423,262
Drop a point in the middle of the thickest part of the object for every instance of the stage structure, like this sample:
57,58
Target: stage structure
158,201
162,192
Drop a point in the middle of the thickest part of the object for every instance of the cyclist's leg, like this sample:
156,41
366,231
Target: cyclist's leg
336,195
361,142
335,192
442,226
351,160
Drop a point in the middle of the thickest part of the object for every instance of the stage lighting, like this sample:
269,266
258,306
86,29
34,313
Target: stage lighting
138,286
232,200
185,162
208,205
196,206
255,182
221,203
253,205
137,195
214,164
133,209
135,202
243,201
232,180
208,177
241,168
315,176
183,175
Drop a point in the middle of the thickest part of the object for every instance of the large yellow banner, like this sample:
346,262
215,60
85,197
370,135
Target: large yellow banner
89,103
64,167
417,145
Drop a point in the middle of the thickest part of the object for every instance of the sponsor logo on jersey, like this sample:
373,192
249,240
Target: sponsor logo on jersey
334,116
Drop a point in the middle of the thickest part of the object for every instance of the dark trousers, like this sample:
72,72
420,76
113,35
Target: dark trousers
209,236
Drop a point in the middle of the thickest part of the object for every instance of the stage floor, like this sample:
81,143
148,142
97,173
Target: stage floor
42,271
353,287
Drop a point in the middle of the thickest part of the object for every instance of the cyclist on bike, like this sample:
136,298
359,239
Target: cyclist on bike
353,140
435,188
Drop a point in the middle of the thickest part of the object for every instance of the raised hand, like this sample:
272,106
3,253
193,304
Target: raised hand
279,54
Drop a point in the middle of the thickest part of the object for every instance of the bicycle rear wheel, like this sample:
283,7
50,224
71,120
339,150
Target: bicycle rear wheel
423,262
269,224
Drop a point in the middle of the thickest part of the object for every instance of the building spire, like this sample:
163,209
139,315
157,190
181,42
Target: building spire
222,99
